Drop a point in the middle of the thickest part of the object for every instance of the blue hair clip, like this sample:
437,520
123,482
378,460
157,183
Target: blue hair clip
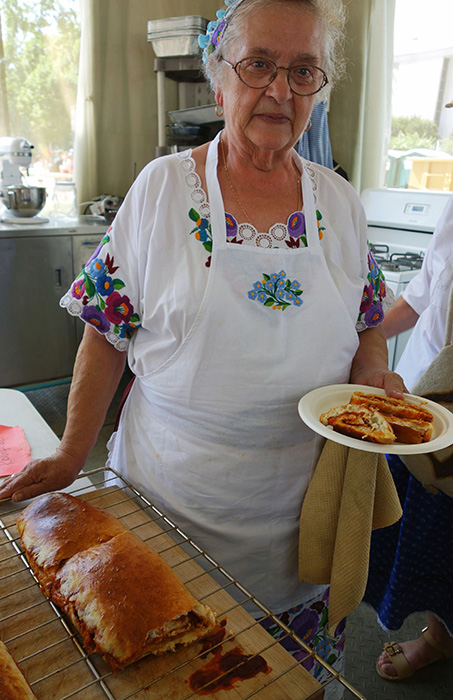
209,42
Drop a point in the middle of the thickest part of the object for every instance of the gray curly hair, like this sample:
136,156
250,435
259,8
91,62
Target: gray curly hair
332,14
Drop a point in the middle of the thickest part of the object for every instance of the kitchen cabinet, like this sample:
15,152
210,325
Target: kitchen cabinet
37,266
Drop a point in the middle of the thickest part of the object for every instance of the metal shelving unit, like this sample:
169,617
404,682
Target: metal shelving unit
182,69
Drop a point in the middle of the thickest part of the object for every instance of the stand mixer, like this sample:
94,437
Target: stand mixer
22,203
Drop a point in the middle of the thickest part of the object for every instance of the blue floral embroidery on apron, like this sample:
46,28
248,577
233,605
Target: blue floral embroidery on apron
276,291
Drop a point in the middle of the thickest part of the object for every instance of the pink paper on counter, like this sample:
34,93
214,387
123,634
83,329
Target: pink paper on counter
14,450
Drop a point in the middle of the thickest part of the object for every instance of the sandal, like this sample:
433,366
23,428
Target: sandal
401,664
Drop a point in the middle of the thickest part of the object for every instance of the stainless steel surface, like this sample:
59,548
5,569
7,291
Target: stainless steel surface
176,45
180,551
40,339
176,36
23,201
195,115
176,24
55,226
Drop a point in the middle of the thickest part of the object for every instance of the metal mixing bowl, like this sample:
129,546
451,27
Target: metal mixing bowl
23,201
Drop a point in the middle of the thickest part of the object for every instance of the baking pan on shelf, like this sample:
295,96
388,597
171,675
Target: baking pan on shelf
243,662
168,25
194,115
176,36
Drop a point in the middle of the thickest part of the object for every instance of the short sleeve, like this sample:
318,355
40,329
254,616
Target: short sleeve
377,297
432,284
100,295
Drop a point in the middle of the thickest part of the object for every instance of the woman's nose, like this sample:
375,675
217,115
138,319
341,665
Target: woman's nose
279,88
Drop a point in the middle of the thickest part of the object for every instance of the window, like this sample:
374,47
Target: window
421,145
39,57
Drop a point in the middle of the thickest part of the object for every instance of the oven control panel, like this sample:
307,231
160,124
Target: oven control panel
412,209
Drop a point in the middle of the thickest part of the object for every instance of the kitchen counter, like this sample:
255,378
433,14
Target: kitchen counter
56,226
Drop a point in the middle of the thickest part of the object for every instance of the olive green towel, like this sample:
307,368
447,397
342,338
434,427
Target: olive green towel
351,493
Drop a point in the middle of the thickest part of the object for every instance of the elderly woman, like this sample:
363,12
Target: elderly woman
235,278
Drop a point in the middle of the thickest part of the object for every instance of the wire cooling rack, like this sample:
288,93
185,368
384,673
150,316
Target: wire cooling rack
50,652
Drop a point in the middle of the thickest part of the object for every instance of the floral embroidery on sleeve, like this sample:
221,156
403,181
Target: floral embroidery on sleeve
100,303
375,290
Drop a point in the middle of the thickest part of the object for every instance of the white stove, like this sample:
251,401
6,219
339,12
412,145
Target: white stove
400,226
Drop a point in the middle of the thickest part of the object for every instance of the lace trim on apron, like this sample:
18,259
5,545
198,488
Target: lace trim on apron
291,234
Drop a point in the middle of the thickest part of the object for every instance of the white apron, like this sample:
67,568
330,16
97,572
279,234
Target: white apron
213,436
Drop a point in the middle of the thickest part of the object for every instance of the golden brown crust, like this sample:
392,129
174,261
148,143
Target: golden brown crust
410,432
13,685
388,405
142,610
120,595
411,423
56,526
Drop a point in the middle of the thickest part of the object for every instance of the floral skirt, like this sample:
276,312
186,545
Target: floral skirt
310,623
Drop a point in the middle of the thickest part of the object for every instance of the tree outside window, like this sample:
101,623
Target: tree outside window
39,59
421,145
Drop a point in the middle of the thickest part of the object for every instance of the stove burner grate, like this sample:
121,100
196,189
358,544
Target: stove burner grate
395,262
410,261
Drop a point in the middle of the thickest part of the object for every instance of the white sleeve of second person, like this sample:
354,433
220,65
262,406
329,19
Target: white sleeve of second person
438,257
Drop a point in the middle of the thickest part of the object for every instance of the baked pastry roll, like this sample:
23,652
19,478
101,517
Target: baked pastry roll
411,432
121,596
391,406
411,423
13,685
56,526
359,422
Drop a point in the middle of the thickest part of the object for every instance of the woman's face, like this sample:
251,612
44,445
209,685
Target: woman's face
271,118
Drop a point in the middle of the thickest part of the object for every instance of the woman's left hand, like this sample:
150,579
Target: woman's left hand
370,364
391,382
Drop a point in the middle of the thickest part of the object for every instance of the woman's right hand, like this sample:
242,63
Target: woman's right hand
40,476
97,372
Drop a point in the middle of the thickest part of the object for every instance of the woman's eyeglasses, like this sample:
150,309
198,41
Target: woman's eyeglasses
261,72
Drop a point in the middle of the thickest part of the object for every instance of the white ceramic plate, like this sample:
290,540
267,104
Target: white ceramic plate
323,399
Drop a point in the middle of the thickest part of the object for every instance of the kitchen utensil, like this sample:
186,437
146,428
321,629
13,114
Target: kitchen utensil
186,134
194,115
15,152
23,201
323,399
